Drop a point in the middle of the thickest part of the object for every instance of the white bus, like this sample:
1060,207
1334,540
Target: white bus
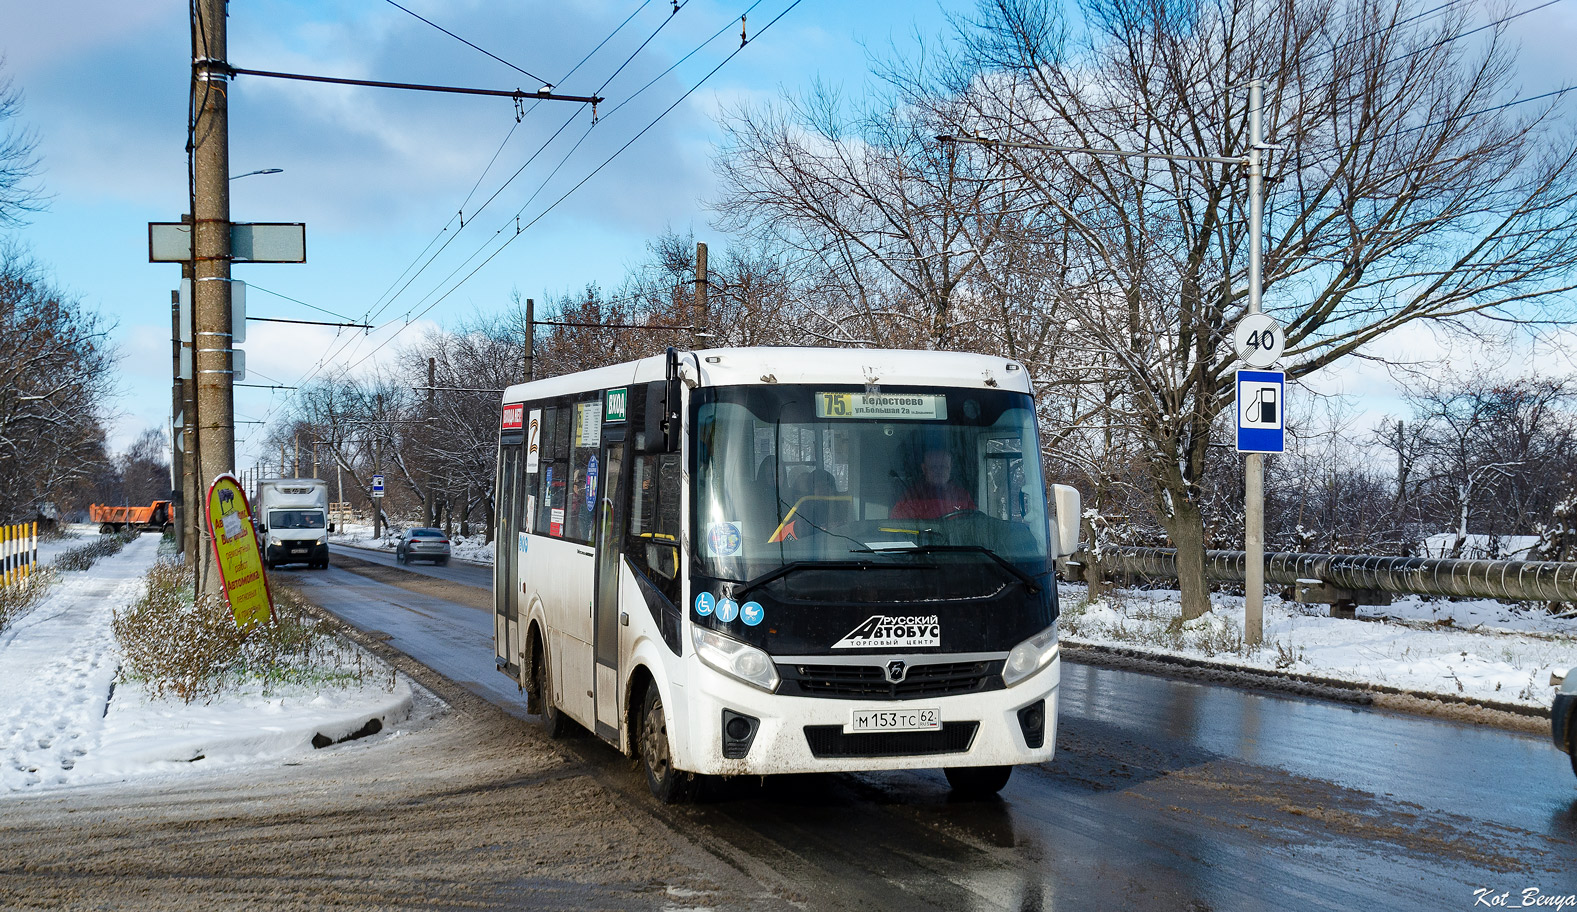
774,560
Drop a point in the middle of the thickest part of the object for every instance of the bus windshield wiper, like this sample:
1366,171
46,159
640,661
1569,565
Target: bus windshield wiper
791,566
1025,578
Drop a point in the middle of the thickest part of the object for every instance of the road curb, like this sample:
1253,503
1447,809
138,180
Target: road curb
1417,702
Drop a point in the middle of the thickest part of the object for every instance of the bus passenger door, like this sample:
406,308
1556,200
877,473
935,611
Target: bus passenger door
506,617
609,544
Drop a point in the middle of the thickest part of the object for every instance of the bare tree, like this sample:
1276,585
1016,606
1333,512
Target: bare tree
55,366
19,194
897,225
1403,190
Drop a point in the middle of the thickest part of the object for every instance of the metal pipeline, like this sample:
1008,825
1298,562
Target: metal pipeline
1513,580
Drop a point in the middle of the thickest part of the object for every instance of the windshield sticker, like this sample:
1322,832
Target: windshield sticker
883,406
591,483
751,613
703,604
727,610
880,631
722,539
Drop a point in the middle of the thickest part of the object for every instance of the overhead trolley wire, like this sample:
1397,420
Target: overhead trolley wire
381,305
567,155
322,364
469,44
582,181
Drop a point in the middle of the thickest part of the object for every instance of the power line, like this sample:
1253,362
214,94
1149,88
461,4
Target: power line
570,153
322,362
250,286
375,310
594,173
469,44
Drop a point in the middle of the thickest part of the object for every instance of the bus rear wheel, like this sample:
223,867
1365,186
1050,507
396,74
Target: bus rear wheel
668,785
552,720
977,781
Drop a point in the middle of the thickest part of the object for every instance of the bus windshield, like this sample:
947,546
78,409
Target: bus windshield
825,477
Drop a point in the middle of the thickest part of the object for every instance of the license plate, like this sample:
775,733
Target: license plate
869,720
299,550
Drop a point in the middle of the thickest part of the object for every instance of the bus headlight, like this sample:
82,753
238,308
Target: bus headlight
323,541
735,659
1030,656
276,542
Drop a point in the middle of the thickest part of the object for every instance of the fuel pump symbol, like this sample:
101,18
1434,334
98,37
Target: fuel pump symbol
1262,408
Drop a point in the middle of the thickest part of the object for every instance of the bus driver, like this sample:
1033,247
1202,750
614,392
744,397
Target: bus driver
936,494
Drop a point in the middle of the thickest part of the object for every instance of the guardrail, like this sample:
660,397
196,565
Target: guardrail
1345,581
18,553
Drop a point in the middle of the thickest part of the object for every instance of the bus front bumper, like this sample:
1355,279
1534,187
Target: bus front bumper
810,734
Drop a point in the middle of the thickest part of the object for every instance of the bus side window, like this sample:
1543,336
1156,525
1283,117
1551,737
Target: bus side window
552,474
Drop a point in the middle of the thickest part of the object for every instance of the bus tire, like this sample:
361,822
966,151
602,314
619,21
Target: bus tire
668,785
553,721
977,781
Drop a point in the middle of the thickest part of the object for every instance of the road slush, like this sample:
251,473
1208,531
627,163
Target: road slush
237,553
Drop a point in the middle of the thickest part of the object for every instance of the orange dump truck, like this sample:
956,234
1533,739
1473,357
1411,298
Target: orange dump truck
155,517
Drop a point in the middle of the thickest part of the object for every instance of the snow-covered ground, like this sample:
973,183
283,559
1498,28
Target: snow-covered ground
475,549
65,721
1477,648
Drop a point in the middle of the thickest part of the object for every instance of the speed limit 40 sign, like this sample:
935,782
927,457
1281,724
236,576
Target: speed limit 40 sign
1258,340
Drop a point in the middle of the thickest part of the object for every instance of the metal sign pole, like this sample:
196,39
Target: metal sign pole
1254,463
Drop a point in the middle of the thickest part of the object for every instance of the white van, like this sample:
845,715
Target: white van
292,517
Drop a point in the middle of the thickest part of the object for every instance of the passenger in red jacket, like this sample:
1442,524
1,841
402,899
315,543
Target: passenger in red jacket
936,494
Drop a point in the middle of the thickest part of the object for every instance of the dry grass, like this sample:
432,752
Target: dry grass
190,648
20,598
83,556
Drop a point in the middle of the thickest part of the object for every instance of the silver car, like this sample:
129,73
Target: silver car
422,544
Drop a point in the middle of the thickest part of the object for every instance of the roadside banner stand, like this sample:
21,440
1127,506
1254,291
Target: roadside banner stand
237,553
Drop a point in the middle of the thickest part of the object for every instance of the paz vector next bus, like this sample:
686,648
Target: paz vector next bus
775,560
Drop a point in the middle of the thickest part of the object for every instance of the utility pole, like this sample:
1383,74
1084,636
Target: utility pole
212,343
191,495
531,340
700,319
1254,463
177,435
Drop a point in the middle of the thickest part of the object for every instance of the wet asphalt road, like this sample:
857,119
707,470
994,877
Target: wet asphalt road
1163,795
457,571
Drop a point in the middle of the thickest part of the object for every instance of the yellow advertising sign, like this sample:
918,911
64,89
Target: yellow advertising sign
236,549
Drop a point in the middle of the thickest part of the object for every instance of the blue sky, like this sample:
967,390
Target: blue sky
378,174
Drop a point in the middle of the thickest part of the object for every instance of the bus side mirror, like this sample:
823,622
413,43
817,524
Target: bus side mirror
331,527
660,430
1066,500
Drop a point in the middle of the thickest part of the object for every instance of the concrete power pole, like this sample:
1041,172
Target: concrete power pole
701,319
212,344
531,340
1254,463
191,497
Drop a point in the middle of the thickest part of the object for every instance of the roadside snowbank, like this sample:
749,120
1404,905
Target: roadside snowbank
1478,648
65,722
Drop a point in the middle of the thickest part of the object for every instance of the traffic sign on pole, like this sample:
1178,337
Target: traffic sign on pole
1258,340
1260,409
377,486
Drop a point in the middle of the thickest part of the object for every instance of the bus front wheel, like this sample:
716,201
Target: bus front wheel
668,785
977,781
